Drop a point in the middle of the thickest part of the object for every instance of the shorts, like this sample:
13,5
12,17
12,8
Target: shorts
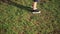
35,0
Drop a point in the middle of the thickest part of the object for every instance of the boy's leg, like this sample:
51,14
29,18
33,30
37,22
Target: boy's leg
34,6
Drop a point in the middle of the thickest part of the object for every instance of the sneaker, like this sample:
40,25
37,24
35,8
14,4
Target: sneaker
36,11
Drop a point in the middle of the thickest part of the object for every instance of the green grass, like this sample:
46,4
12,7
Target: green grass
16,17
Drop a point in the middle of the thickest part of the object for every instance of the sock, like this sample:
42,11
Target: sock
34,8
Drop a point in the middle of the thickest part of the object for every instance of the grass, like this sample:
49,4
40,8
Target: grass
16,17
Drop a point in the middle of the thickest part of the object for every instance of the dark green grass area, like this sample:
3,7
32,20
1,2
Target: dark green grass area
16,17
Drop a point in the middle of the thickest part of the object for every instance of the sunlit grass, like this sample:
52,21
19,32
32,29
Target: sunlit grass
15,18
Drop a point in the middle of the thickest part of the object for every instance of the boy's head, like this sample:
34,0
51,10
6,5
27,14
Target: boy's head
35,0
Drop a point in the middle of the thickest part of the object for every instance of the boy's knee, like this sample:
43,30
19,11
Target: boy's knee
35,0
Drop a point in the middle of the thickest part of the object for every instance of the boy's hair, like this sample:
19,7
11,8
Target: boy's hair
35,0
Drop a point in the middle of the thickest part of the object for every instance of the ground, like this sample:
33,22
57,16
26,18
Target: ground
16,17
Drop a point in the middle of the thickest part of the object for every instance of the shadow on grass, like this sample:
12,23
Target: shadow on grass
17,5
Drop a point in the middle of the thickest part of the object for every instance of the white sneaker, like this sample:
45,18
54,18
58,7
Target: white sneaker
36,11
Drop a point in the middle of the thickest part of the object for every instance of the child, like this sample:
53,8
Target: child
34,7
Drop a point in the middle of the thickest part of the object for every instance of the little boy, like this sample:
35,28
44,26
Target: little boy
34,7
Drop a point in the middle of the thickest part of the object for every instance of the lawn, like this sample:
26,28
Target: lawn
16,17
